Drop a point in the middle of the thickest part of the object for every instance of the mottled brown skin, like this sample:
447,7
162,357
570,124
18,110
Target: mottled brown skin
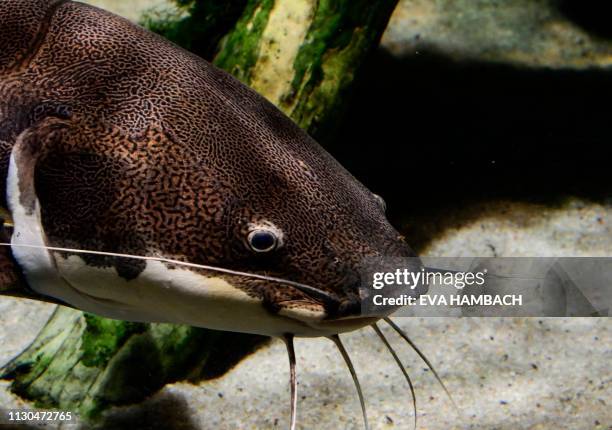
141,147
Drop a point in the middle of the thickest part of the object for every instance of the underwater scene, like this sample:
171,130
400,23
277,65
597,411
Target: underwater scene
305,214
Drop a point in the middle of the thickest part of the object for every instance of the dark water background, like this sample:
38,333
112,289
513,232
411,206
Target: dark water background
433,135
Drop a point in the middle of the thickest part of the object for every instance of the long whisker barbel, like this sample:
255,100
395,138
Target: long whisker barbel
347,359
306,289
401,366
424,358
288,338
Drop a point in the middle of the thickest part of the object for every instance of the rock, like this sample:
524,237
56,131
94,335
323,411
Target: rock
533,33
132,9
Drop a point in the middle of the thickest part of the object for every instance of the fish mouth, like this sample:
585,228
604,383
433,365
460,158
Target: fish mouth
346,324
317,317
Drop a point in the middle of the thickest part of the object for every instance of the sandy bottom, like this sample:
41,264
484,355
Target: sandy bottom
503,373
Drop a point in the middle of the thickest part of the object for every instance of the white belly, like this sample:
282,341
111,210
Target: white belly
178,296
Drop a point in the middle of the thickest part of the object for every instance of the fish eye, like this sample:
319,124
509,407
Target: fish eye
381,202
262,240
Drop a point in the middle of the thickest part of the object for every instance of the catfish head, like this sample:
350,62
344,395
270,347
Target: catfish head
145,184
